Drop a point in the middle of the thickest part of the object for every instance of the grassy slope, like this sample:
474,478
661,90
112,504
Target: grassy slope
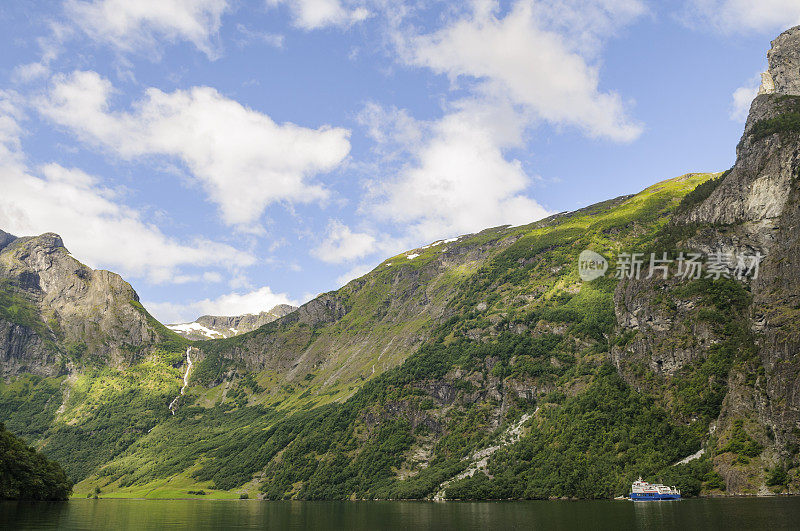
237,428
389,314
294,436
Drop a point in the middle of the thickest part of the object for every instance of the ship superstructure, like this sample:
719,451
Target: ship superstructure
644,491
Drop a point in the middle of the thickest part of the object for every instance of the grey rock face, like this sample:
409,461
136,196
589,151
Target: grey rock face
753,209
5,239
247,322
23,350
784,62
71,310
757,189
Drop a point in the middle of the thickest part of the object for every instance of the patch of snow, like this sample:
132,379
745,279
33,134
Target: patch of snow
194,327
439,242
233,330
412,256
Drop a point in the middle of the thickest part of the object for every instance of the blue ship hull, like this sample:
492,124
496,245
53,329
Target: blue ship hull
653,496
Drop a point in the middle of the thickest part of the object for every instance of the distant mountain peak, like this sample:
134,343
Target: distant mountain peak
222,326
57,309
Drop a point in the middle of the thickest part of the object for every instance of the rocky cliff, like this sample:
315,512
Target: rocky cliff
56,313
674,330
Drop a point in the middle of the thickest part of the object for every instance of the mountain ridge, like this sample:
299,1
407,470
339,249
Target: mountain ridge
389,387
224,326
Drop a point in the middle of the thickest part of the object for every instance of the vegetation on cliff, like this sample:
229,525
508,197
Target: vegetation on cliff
507,333
522,333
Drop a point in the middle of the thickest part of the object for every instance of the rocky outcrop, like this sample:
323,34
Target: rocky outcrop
756,192
5,239
752,210
759,200
58,311
784,62
23,350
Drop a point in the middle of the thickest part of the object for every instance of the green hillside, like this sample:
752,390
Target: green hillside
388,387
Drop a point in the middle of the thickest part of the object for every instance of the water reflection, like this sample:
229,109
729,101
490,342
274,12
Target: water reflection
735,513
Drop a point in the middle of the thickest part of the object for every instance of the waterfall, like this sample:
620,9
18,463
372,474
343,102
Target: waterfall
185,380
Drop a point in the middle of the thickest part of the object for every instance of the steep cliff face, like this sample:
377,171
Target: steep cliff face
784,63
57,312
672,328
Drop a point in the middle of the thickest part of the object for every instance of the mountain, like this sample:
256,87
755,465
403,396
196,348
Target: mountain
217,326
483,367
747,345
56,314
409,370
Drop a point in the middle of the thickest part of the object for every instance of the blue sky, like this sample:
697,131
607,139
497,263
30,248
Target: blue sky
225,156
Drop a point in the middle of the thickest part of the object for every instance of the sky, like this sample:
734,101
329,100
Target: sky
225,156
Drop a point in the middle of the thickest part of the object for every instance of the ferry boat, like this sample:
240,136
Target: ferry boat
644,491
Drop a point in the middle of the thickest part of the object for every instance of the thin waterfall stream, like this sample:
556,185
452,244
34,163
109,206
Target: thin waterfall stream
174,403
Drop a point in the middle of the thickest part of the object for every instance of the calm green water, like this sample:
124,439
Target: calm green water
743,513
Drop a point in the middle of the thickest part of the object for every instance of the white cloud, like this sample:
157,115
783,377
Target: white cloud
248,36
731,16
535,61
393,130
29,72
316,14
341,244
97,228
585,24
243,159
460,180
743,97
10,131
260,300
538,56
206,277
440,178
138,25
95,225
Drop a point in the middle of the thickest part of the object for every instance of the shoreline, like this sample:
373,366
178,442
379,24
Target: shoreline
506,500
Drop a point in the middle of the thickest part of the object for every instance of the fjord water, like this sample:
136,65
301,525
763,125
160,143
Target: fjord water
719,513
